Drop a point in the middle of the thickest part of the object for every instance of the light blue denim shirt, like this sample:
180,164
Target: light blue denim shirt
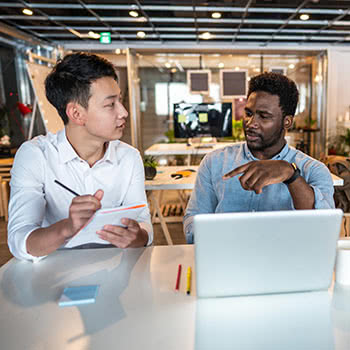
214,195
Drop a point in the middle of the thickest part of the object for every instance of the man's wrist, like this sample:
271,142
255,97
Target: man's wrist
66,230
295,175
146,237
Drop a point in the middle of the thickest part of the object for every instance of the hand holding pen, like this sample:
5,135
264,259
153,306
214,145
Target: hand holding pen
80,210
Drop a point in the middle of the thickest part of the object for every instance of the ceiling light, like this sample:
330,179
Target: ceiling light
291,66
205,36
94,35
216,15
141,19
133,13
168,64
141,35
304,17
27,12
221,65
118,51
237,68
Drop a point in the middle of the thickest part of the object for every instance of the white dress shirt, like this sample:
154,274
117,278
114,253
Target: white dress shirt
37,201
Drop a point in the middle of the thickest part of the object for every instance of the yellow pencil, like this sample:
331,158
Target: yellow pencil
189,273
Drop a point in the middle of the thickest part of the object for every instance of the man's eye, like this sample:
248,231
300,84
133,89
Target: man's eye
110,105
248,113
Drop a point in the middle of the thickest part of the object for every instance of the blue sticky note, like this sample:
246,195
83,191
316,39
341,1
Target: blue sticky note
78,295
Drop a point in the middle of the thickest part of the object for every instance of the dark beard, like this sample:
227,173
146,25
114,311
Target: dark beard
264,145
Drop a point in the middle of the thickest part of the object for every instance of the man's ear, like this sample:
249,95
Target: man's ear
288,122
75,113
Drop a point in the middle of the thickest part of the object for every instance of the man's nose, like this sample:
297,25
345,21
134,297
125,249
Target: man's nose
122,112
252,121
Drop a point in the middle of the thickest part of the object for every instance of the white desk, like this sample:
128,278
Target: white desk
164,149
164,181
337,181
137,308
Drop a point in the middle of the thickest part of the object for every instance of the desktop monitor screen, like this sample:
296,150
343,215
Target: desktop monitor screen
202,119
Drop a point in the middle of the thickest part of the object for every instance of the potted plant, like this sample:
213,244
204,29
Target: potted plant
237,130
150,165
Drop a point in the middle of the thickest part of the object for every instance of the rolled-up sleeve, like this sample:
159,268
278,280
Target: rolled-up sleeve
27,200
320,179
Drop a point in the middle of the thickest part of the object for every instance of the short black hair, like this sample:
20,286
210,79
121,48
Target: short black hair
280,85
71,78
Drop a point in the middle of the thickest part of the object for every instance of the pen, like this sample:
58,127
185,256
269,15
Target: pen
67,188
178,278
188,289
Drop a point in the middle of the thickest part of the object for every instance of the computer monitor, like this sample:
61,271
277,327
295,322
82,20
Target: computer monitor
202,119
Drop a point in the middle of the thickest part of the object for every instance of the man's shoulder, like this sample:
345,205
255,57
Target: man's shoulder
122,148
39,143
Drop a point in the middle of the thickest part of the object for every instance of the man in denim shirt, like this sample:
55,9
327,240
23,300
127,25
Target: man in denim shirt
271,175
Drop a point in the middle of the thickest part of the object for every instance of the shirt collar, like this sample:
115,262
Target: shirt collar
66,151
109,155
248,154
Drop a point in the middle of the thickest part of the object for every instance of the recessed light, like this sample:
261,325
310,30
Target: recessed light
205,36
237,68
168,64
304,17
27,12
133,13
221,65
291,66
141,35
216,15
118,51
173,70
94,35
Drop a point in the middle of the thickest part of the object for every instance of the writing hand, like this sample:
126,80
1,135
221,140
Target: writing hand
81,210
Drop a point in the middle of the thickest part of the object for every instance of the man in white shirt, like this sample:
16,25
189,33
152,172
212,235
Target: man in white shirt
86,156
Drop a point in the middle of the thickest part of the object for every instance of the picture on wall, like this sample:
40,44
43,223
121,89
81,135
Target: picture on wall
233,83
199,81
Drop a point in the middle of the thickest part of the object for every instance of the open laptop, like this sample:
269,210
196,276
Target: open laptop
265,252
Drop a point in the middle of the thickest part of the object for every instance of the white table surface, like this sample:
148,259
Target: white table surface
164,181
137,308
160,149
337,181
